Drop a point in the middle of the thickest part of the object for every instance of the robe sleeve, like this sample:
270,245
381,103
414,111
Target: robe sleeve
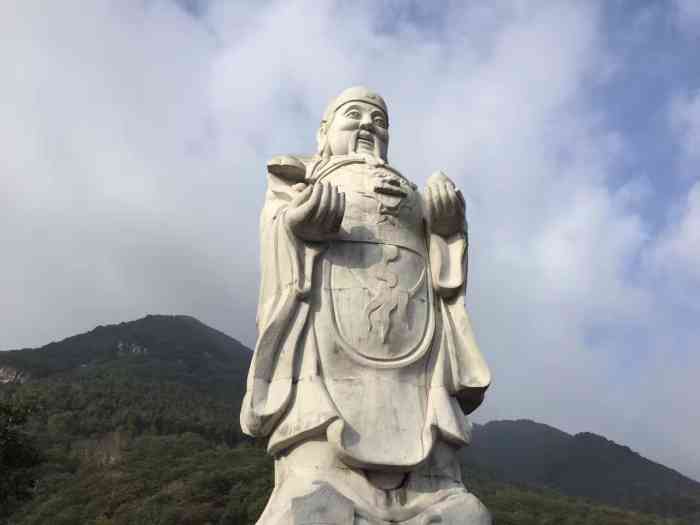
286,268
462,371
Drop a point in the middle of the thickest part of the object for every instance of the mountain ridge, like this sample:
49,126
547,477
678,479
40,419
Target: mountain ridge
171,341
584,465
588,435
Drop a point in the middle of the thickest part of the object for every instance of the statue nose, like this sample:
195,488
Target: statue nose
366,123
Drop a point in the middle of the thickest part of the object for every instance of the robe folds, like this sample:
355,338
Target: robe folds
313,376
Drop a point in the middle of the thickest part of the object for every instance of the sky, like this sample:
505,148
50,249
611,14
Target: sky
135,135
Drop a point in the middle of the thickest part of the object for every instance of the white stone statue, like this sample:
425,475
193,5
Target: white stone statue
365,364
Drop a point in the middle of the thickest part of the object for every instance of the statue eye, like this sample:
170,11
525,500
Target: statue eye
379,121
353,114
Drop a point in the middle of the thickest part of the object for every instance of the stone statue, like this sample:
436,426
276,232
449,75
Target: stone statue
365,364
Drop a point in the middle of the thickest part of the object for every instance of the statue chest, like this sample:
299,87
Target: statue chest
376,299
381,206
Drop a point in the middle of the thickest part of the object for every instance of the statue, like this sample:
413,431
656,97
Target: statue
365,364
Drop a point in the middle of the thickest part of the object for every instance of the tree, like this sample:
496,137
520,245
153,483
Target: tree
18,456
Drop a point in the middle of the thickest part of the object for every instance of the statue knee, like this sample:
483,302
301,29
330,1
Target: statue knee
463,509
323,506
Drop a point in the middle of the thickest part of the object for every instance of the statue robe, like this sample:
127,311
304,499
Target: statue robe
380,411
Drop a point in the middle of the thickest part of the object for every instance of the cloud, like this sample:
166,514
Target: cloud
684,117
676,253
135,138
687,16
678,250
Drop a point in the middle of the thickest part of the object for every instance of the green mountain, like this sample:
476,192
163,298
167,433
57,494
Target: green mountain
180,347
583,465
137,423
160,374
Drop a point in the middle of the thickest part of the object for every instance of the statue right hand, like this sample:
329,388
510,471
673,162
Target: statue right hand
316,212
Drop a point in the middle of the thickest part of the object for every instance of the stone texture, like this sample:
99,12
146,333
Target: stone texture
366,364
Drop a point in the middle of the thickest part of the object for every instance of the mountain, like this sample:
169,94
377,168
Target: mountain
137,423
129,417
160,374
180,347
583,465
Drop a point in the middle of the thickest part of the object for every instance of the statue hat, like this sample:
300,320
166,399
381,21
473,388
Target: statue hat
355,94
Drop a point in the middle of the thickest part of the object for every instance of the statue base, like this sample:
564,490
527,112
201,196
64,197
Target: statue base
313,487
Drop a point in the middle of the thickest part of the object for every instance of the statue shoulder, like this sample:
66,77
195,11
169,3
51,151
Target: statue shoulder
291,168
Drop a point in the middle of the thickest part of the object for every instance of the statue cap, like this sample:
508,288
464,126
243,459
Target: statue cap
355,94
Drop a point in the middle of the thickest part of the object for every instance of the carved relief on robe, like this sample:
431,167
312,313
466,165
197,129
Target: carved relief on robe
376,273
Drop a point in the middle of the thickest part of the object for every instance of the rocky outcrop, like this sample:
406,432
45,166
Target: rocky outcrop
126,348
9,374
104,450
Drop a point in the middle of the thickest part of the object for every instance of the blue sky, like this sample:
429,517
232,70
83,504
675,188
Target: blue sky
135,136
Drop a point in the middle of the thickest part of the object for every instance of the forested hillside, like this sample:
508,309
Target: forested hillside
583,465
137,423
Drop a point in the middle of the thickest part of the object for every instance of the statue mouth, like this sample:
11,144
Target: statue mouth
365,139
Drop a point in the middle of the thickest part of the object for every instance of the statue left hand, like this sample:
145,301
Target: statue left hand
445,205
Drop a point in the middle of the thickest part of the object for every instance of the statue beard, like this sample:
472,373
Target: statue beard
354,141
325,147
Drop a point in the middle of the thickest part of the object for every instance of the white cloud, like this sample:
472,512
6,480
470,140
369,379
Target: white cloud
676,253
135,140
684,116
678,250
687,16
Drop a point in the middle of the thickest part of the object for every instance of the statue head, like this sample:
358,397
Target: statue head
356,121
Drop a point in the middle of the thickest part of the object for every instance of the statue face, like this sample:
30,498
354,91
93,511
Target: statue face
358,127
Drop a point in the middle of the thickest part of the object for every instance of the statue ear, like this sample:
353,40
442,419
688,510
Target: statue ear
322,138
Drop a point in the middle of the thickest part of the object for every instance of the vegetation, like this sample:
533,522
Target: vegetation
520,506
158,480
584,465
186,479
18,457
137,423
